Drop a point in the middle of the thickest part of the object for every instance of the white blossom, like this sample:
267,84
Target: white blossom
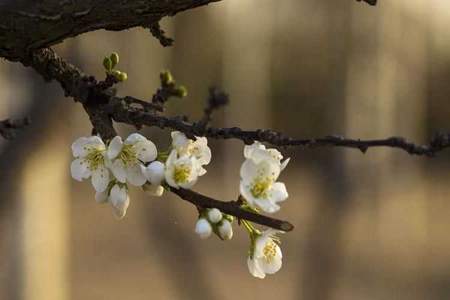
258,152
266,256
214,215
89,153
225,230
258,182
198,148
203,228
181,171
127,158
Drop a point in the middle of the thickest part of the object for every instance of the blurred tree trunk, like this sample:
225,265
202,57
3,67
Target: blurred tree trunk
247,70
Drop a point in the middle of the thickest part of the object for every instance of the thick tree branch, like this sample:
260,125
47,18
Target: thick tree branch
28,24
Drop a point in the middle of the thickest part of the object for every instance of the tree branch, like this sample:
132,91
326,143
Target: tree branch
231,208
8,128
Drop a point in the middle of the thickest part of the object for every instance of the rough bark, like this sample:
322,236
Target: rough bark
28,24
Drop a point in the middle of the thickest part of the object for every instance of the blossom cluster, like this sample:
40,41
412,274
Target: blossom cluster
115,166
136,162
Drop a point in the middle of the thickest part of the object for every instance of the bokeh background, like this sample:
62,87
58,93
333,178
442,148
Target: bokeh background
371,226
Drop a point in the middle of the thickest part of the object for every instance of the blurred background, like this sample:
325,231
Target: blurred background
371,226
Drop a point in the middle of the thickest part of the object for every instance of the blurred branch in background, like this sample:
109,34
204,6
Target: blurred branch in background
9,128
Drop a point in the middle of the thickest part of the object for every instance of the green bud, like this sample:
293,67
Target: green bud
166,78
114,59
120,76
181,91
107,64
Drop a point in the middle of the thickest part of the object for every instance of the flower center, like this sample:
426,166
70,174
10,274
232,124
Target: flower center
260,187
181,173
95,158
128,155
269,251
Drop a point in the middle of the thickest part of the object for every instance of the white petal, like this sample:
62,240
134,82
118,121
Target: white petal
244,189
118,170
249,170
96,142
101,197
278,192
248,149
170,168
78,149
260,243
146,151
114,148
119,200
285,163
266,205
135,176
79,169
155,172
179,139
203,228
100,179
201,171
134,138
254,268
201,150
275,265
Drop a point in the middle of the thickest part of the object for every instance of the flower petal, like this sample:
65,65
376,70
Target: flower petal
285,163
78,149
254,268
179,139
80,169
135,176
278,193
114,148
275,265
96,142
248,149
100,178
118,170
134,138
146,150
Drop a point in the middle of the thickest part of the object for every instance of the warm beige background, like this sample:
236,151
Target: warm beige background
371,226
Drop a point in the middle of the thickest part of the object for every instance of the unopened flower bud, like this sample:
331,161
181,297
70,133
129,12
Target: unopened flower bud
226,230
214,215
153,190
154,172
203,228
107,64
114,59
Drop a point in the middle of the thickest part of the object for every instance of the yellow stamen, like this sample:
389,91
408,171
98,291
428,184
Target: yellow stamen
260,187
181,173
269,251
